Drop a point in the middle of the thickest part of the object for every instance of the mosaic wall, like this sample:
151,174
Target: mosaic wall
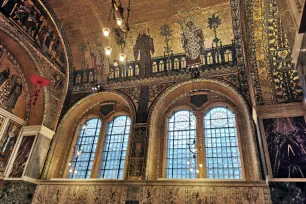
286,142
158,29
33,22
149,194
12,85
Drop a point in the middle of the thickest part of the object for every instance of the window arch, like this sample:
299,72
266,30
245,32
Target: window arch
181,132
221,144
115,147
85,149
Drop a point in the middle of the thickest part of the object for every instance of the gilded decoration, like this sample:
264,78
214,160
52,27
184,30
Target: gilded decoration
53,98
278,78
14,90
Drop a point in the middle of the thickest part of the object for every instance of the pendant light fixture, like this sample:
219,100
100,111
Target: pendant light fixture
122,22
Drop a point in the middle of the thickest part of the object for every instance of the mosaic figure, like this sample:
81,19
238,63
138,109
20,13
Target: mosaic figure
192,41
144,47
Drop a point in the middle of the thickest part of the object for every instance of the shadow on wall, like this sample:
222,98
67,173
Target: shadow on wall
293,193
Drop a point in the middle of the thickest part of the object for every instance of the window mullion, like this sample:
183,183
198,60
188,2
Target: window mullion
123,137
99,150
107,152
76,158
201,144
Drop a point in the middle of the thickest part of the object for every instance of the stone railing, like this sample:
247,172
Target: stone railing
175,63
151,192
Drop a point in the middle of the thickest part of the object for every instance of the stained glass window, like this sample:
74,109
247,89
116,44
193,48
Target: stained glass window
81,165
181,133
221,145
115,147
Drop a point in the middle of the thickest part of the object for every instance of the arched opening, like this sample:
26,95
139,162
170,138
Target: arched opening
233,101
114,130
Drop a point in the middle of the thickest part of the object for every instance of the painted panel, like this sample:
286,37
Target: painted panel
7,144
22,156
286,142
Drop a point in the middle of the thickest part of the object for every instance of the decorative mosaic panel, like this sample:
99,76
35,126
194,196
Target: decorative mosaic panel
150,194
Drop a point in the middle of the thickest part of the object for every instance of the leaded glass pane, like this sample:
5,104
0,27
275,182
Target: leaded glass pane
221,145
115,147
181,133
81,166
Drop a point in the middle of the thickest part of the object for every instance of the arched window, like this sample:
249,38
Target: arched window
115,147
181,133
85,149
221,145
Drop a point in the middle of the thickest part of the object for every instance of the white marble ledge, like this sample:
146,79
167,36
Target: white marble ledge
159,182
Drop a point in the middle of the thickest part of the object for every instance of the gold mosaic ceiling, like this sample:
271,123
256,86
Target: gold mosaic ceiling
83,20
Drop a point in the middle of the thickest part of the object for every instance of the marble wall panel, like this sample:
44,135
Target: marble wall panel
22,156
286,144
38,157
7,144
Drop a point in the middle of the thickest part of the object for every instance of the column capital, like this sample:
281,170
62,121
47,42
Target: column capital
37,129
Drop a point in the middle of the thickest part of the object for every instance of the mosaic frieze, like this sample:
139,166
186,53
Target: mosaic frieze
150,194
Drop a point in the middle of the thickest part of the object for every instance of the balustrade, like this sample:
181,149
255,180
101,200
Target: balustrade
175,63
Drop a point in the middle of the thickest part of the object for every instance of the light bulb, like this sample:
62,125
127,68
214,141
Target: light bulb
121,57
108,50
194,150
200,165
119,21
116,63
188,162
191,169
75,171
70,170
106,32
69,164
198,171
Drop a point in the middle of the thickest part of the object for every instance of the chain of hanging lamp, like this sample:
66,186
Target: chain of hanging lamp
117,14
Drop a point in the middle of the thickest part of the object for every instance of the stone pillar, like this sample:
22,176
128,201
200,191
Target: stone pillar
29,156
138,150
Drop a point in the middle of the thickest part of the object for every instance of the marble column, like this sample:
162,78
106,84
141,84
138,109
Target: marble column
32,148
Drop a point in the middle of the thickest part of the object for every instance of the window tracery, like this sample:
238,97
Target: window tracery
181,132
115,147
218,149
86,162
85,149
221,145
